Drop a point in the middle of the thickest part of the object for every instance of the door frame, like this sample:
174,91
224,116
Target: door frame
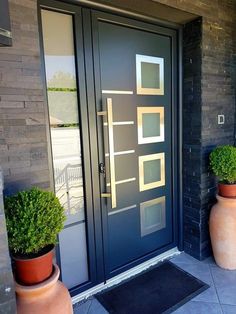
126,21
85,77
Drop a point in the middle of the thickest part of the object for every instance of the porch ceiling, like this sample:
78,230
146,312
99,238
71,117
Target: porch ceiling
147,7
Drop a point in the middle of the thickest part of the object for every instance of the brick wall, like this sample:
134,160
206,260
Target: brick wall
23,143
7,294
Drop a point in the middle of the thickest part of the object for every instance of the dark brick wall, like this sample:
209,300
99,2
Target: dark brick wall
23,143
7,293
192,115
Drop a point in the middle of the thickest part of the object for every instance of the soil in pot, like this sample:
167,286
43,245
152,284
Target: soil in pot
35,268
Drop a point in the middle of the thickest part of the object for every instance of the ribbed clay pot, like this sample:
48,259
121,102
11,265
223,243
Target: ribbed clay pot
49,297
223,232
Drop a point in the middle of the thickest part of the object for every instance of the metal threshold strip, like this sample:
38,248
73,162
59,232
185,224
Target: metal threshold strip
127,274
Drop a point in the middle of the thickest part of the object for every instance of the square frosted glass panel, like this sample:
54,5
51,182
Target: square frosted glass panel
152,216
149,75
151,124
73,254
151,127
151,171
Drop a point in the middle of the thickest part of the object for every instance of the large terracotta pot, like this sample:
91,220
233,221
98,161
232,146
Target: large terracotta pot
223,232
48,297
30,271
227,190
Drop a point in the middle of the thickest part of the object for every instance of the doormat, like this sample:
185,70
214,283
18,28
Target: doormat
160,290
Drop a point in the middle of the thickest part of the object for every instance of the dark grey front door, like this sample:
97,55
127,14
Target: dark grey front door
111,87
134,79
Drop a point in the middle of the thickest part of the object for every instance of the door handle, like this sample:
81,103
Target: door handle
109,113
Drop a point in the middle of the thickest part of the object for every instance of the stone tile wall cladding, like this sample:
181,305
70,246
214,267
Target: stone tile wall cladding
7,294
209,90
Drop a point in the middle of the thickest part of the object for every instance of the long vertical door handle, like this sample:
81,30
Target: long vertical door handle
111,151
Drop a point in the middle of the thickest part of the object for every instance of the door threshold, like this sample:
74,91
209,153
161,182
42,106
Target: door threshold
125,275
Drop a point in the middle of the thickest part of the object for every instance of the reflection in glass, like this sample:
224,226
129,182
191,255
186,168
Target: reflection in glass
152,216
151,171
149,75
63,111
150,124
58,40
73,255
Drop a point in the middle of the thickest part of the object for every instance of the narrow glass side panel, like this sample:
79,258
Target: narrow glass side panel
59,55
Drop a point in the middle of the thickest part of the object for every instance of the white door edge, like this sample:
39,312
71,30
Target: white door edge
125,275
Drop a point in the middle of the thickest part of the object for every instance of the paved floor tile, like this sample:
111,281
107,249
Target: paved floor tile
225,283
83,307
193,307
184,258
96,308
228,309
202,272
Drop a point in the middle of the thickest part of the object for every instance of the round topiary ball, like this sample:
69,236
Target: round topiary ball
33,218
223,163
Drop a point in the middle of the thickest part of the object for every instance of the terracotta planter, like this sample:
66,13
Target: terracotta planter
227,190
50,297
223,232
30,271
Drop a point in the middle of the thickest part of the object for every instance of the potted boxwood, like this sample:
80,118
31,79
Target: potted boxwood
222,223
34,218
223,165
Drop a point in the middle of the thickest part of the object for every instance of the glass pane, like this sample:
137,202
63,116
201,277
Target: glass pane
151,124
152,171
73,255
151,128
63,111
150,75
152,216
59,55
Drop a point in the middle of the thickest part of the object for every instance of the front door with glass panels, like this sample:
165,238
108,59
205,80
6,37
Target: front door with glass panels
111,102
134,66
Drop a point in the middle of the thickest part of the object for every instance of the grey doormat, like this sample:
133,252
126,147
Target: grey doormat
160,290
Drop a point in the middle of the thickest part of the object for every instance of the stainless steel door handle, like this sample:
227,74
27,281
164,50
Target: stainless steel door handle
109,113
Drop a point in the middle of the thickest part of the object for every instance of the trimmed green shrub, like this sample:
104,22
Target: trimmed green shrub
223,163
34,218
